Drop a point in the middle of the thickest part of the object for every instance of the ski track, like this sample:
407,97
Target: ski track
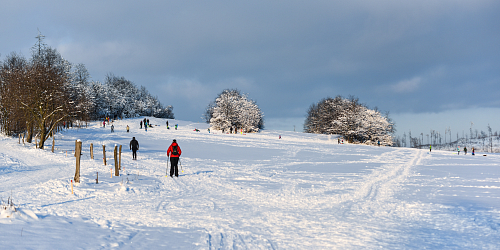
274,202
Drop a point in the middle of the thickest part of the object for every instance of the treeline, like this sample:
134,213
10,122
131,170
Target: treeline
40,94
351,119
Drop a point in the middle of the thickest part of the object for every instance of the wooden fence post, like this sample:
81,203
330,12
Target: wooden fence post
117,171
91,151
78,151
120,158
53,141
104,154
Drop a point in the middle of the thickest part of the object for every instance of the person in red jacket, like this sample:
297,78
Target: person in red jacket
174,151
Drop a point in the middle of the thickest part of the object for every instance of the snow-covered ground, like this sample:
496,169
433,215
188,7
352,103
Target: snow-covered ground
251,191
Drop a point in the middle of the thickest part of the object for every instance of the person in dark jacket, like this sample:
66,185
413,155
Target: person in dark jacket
134,146
174,152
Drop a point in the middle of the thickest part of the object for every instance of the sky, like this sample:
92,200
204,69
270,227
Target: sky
422,61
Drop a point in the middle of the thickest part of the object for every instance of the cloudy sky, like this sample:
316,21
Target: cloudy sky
423,61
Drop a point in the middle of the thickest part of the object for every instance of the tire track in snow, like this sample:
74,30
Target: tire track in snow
382,183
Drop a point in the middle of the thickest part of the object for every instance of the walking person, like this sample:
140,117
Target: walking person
465,150
140,124
430,148
473,151
174,152
128,128
134,146
458,150
112,128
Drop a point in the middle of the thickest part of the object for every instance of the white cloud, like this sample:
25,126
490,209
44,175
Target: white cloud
407,86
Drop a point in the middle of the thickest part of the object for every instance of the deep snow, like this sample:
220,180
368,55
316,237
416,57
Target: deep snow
250,191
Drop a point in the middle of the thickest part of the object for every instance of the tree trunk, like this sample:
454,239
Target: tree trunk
91,151
29,130
43,133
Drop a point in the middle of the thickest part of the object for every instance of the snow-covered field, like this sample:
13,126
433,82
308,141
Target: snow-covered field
249,191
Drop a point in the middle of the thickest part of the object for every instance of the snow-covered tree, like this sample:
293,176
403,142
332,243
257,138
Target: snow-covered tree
231,109
349,118
119,97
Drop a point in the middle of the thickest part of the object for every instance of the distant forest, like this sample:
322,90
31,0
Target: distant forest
40,94
480,140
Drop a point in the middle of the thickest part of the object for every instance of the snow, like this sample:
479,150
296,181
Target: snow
251,191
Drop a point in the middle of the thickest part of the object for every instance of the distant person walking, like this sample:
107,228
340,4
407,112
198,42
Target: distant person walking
112,128
174,152
473,151
176,126
134,146
128,128
465,150
141,124
430,148
458,150
378,142
167,123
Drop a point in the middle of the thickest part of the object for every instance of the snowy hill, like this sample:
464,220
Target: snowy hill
251,191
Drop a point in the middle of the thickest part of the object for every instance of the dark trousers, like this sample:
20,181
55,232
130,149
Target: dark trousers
173,166
134,154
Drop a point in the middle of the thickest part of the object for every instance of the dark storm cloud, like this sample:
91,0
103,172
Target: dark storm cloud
423,56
